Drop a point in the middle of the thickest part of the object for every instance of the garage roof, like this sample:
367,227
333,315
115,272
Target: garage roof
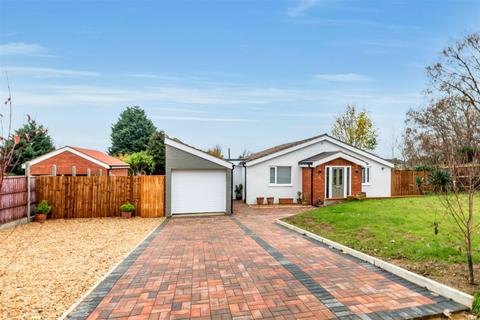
197,152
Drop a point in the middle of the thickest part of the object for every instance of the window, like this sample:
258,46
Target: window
281,175
366,175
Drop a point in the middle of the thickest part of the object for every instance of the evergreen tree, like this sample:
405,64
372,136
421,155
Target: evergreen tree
33,141
131,132
156,148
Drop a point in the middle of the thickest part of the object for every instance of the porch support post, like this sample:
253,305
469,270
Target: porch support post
311,184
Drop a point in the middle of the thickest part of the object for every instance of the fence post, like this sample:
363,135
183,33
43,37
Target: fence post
27,173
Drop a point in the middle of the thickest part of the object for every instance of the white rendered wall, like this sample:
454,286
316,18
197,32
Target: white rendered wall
238,178
258,175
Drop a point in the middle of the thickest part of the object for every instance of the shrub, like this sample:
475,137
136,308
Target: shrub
127,207
423,168
439,180
239,188
43,207
476,303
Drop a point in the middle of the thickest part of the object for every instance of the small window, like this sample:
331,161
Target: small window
272,175
281,175
366,175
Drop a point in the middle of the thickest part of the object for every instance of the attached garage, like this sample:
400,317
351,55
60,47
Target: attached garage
197,182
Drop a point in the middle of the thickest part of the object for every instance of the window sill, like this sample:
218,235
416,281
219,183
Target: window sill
366,184
280,185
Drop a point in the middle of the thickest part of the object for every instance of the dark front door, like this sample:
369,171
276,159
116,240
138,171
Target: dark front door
337,183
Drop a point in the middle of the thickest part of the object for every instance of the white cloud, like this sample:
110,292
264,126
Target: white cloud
21,48
48,72
342,77
203,119
301,7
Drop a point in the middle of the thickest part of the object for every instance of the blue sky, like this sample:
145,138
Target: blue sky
242,74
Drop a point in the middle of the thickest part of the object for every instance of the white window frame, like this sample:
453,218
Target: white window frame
368,176
279,184
345,177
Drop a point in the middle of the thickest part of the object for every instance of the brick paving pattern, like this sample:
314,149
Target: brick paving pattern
247,267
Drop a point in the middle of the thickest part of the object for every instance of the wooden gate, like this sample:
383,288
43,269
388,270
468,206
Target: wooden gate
89,197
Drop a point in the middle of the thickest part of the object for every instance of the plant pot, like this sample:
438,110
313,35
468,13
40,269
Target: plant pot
299,201
270,201
285,201
40,217
126,215
238,196
260,200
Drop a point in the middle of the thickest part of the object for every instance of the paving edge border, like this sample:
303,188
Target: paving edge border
92,288
441,289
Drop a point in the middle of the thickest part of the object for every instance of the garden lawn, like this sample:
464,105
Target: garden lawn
399,230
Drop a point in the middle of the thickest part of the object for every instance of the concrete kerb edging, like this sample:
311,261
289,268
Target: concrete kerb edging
73,306
441,289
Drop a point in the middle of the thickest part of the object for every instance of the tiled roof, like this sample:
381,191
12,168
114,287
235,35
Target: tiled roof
102,157
280,147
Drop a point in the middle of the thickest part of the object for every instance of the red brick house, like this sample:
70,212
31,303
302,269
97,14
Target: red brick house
77,161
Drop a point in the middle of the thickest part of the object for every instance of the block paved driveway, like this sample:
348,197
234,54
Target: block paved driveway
247,267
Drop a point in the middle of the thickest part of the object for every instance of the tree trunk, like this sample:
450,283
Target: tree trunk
468,239
471,276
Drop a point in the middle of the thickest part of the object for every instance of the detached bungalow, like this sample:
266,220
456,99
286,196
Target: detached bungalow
77,161
320,167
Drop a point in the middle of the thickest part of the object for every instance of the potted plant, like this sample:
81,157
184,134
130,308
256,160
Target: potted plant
127,209
304,200
260,200
238,191
42,210
270,200
299,197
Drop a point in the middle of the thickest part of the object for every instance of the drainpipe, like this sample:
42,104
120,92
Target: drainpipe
245,182
231,188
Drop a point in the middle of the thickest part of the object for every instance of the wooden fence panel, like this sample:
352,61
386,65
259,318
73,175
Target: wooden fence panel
101,196
403,182
13,198
152,195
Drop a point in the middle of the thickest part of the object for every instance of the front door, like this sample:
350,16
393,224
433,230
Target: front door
337,183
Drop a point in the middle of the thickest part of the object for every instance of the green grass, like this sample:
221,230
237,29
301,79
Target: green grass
392,228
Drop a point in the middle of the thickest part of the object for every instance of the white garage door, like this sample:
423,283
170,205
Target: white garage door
196,191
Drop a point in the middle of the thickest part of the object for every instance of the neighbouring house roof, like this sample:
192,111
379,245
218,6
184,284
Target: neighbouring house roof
176,143
329,156
102,157
292,146
94,156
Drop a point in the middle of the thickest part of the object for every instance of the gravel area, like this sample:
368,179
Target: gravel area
45,268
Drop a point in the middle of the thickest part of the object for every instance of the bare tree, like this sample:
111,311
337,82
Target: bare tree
446,135
8,140
458,71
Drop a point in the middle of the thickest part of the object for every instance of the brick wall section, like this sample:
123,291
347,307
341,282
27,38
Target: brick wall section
319,177
64,162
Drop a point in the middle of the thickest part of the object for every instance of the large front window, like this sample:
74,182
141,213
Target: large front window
281,175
